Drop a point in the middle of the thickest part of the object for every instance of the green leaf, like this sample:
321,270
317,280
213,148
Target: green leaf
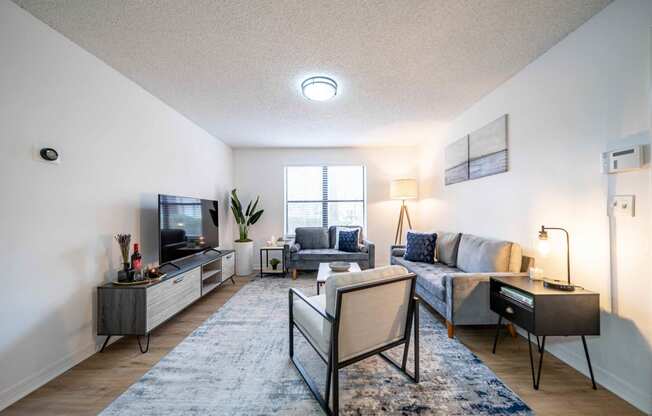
255,217
253,209
238,216
248,208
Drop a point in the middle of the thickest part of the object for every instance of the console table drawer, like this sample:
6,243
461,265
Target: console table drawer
171,296
513,311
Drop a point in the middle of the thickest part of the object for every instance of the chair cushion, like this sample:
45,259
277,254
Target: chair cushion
311,237
479,254
420,247
330,254
446,247
429,276
339,280
348,241
312,323
332,233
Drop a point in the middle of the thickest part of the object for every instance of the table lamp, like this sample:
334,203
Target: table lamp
544,248
402,189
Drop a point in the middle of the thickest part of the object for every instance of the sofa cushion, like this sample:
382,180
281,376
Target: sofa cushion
348,241
420,247
479,254
332,234
311,237
330,254
446,247
429,276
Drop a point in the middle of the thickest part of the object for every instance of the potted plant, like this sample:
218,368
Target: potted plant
274,263
244,247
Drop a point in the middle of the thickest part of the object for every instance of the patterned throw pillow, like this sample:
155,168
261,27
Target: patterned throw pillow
420,247
348,241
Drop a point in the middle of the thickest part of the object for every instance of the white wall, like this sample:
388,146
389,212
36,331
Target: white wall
120,146
586,95
261,172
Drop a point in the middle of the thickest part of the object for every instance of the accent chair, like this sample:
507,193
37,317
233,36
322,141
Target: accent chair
361,314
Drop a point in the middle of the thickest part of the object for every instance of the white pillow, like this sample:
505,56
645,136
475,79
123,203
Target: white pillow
337,235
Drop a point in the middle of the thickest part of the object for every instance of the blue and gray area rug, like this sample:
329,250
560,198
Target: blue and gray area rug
236,363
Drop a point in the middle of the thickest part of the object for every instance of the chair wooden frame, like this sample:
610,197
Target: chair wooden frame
332,361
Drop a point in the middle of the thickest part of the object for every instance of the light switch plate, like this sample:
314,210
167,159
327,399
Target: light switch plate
622,205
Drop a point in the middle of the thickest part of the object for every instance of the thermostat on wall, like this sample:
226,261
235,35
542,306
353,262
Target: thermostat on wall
623,160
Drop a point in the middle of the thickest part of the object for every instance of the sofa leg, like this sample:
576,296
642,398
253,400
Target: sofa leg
294,274
451,329
511,330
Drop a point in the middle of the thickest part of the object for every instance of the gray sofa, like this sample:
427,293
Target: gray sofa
457,284
314,245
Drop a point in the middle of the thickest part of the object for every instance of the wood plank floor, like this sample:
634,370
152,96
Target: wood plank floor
90,386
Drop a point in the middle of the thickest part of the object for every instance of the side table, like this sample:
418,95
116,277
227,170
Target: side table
266,268
545,312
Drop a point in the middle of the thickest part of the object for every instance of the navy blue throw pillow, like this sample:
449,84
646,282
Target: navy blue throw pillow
349,241
420,247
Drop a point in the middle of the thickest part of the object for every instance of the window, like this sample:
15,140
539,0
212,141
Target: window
321,196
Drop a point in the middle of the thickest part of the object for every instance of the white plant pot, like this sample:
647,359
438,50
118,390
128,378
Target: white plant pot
244,257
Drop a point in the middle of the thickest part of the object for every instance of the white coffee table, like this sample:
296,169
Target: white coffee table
325,272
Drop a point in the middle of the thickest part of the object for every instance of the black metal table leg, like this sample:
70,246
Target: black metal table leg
541,352
140,346
261,263
500,320
106,341
588,361
537,379
529,346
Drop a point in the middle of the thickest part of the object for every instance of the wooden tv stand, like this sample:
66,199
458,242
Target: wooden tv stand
137,310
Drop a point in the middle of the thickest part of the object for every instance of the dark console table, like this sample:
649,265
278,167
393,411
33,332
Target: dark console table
137,310
545,312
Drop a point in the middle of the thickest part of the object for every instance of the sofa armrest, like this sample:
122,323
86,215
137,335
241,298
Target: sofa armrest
300,295
370,248
397,250
292,247
467,297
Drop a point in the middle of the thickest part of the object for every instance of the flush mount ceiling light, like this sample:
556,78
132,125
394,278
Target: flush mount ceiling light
319,88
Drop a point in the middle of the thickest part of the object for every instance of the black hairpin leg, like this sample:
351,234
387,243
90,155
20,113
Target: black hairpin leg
140,346
537,379
588,361
106,341
500,320
232,279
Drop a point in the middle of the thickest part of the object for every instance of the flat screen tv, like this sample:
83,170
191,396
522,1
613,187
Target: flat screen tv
187,226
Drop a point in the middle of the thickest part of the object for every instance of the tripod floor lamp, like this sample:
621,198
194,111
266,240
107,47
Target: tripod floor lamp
402,189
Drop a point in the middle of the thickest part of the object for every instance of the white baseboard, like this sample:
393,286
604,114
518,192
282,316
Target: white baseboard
604,378
24,387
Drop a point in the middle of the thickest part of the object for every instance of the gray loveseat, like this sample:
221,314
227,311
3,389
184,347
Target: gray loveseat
457,284
314,245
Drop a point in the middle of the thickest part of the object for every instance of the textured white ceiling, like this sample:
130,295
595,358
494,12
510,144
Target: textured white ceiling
234,67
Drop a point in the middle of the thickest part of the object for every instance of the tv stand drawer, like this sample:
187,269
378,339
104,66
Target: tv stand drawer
167,298
228,266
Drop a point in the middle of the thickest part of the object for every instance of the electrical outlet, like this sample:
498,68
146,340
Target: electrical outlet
622,205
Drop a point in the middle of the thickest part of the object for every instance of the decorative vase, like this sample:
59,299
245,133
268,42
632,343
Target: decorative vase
123,276
244,257
274,266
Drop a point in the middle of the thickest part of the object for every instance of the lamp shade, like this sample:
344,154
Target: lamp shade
403,189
